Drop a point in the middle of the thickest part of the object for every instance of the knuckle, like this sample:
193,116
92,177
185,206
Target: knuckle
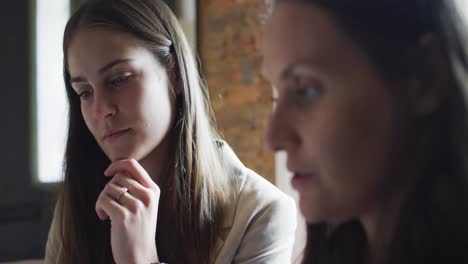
156,189
136,207
97,206
132,162
122,215
146,197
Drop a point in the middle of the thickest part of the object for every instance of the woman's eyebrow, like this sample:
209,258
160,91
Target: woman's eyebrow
102,70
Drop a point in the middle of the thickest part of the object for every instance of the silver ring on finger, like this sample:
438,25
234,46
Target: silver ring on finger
122,191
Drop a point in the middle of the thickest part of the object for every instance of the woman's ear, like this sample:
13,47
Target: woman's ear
428,87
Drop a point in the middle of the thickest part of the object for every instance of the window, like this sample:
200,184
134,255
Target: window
462,6
50,98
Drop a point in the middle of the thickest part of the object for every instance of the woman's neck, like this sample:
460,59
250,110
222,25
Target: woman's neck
380,225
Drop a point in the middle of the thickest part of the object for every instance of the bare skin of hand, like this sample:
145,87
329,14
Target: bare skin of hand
133,215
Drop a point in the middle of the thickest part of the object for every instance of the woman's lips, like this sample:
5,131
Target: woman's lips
113,135
300,180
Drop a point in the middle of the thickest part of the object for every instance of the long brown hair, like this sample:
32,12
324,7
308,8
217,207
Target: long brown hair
432,224
193,198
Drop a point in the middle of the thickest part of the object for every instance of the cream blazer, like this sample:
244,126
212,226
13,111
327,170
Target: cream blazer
259,225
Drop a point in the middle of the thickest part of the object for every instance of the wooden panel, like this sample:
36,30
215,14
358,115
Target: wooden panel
229,45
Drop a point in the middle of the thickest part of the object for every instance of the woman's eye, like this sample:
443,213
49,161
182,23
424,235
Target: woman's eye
305,95
121,80
84,95
307,91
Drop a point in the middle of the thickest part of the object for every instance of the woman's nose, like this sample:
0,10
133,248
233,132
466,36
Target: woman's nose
103,106
281,132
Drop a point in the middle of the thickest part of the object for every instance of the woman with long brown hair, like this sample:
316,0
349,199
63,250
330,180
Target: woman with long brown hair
147,179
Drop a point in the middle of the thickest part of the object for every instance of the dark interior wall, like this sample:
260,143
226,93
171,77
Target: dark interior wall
25,208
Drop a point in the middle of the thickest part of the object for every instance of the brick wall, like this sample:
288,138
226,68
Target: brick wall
229,37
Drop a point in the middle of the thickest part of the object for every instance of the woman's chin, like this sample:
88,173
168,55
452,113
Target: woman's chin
120,155
310,212
313,211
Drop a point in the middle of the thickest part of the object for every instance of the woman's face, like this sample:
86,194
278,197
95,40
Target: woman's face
126,99
335,117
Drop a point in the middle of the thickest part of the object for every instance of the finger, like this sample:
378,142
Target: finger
110,207
101,214
127,199
145,195
115,191
99,209
133,168
101,206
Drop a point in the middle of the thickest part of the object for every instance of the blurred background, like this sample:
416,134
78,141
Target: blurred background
226,34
